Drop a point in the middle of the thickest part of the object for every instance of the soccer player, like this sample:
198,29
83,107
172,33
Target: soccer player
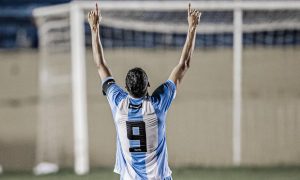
139,118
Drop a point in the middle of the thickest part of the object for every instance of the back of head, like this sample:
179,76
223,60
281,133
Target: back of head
137,82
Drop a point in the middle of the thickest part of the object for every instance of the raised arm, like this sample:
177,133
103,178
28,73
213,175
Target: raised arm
186,55
94,18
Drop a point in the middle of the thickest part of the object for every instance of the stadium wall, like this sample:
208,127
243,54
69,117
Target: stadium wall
199,125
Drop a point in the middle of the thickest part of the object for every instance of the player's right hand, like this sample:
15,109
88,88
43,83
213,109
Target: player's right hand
193,16
94,18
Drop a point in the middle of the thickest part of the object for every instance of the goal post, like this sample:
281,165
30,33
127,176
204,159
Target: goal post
76,12
79,90
237,85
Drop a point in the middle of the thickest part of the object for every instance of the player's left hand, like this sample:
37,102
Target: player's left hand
94,18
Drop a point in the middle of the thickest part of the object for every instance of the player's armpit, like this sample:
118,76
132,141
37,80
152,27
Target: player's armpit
178,73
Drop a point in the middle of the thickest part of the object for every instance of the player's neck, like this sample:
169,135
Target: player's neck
138,98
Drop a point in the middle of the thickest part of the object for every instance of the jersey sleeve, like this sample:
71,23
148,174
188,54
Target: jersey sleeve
113,92
164,95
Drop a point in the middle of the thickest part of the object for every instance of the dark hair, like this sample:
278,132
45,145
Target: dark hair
137,82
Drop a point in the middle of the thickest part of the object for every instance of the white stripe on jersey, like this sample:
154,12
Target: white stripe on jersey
150,118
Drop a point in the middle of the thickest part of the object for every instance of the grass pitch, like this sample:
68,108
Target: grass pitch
278,173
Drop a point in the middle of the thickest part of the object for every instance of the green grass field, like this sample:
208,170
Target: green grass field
285,173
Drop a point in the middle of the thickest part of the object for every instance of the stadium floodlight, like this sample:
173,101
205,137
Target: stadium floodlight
62,25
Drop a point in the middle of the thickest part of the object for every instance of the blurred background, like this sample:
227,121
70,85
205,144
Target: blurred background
37,86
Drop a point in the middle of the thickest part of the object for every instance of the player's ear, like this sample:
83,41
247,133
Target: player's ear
127,88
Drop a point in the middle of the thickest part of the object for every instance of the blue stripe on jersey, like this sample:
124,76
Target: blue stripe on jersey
168,178
134,143
162,143
138,158
115,95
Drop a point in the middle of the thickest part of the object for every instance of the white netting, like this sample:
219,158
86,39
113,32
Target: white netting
142,27
55,101
174,21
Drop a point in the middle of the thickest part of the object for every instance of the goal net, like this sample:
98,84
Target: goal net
64,36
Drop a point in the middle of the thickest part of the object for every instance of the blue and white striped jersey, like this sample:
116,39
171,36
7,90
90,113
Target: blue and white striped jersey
141,131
